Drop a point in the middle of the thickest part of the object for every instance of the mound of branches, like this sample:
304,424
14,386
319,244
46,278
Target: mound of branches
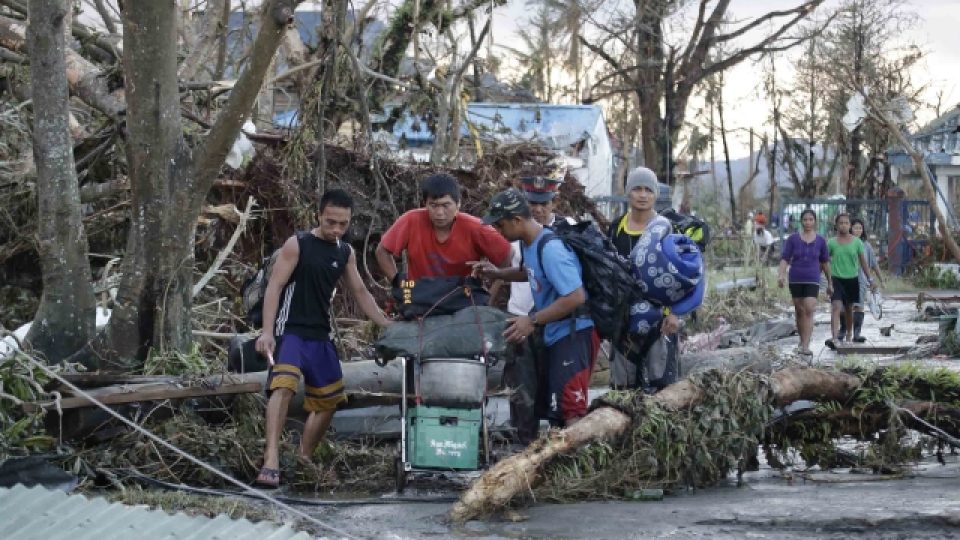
695,432
383,189
233,443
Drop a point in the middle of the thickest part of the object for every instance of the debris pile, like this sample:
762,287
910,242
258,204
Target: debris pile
230,439
695,432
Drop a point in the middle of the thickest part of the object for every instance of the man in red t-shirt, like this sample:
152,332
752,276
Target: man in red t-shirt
439,239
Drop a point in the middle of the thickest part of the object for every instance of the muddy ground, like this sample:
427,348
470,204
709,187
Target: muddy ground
922,503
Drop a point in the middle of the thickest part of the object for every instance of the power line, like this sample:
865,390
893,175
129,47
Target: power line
246,487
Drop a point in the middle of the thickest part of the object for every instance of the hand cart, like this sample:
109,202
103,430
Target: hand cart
445,429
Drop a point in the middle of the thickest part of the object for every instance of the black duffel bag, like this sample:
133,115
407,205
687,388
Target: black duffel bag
437,296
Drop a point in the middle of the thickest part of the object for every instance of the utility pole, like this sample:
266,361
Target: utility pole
668,121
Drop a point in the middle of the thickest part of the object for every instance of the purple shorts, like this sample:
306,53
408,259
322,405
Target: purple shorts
319,364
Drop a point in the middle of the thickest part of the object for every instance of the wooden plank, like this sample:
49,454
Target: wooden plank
93,380
147,394
846,349
925,297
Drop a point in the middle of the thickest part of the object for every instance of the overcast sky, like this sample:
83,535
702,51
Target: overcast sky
937,32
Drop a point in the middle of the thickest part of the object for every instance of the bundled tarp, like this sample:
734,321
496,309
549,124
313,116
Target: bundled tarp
467,333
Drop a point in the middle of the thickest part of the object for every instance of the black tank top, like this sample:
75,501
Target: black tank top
305,301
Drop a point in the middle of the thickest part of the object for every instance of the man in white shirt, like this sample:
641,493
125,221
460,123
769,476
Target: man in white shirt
764,242
522,370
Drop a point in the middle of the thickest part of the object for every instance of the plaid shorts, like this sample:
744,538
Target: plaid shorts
319,364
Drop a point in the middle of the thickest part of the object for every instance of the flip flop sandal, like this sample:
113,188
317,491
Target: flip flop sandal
829,343
269,478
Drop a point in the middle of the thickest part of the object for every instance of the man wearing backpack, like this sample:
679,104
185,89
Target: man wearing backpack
523,363
633,364
555,277
306,274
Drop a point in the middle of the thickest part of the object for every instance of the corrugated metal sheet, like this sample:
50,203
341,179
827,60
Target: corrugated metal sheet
556,125
42,514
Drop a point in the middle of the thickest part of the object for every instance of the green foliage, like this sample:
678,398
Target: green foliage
191,364
668,449
950,338
928,276
21,382
871,416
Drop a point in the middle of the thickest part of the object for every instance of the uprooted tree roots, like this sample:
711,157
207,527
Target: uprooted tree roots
697,431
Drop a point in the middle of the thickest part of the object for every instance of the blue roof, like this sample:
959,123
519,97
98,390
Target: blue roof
307,23
558,125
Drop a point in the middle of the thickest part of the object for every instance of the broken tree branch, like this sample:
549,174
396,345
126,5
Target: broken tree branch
199,57
222,256
894,128
86,79
517,474
245,91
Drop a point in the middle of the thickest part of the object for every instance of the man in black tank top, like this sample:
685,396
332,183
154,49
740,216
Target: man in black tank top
296,307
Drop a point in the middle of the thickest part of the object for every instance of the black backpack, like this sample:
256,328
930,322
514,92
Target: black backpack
607,278
692,227
255,288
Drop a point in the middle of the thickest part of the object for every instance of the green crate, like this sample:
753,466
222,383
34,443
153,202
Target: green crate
443,438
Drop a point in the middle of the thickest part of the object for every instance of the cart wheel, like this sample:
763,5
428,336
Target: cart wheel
485,438
400,476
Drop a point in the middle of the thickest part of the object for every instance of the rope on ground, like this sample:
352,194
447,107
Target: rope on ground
292,500
196,461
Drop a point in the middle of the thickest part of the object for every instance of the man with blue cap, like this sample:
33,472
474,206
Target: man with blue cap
669,270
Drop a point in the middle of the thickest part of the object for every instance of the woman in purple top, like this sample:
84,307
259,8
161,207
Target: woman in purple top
805,253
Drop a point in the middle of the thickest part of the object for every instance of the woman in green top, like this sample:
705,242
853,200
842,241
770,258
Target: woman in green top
857,229
846,261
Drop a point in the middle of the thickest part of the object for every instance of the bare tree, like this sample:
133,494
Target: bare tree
734,221
65,320
169,180
640,60
539,53
864,47
802,123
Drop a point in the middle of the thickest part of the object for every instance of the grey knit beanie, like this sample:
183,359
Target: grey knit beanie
642,177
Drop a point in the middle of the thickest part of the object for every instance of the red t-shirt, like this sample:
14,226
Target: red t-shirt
469,240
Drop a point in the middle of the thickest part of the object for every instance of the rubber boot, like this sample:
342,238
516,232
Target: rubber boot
858,326
842,333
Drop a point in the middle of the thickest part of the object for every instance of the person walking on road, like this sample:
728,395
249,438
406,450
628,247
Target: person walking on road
847,260
653,361
297,314
805,254
858,230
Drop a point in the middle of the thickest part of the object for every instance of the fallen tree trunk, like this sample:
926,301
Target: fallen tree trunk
367,382
87,81
520,473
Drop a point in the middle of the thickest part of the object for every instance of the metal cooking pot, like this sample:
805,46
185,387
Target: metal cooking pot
452,382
